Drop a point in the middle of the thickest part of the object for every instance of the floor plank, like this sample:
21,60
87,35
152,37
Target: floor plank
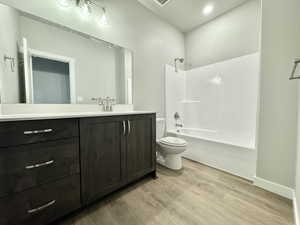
196,195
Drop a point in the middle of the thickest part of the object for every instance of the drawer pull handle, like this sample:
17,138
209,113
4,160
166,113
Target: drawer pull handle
37,131
41,207
39,165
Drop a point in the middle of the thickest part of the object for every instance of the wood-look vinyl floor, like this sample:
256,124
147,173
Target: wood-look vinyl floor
197,195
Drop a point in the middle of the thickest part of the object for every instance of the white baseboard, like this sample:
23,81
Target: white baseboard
274,187
296,209
249,178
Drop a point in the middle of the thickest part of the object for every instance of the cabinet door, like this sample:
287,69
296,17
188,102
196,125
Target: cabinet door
141,146
102,143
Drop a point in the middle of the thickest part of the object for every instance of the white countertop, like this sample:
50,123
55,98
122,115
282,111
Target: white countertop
21,117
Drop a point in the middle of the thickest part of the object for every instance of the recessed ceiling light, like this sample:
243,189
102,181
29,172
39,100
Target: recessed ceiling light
208,9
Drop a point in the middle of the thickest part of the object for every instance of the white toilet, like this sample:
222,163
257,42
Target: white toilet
169,149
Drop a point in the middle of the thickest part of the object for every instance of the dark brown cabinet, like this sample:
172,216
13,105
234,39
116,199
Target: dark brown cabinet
43,204
140,146
114,152
50,168
102,156
39,171
27,166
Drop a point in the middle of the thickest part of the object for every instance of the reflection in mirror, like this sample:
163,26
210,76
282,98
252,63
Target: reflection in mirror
48,64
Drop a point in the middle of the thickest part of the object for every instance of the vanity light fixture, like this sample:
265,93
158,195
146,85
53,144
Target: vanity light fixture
208,9
85,7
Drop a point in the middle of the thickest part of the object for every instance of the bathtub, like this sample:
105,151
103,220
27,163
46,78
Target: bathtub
232,153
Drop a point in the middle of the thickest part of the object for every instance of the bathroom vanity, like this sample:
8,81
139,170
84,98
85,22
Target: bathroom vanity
52,166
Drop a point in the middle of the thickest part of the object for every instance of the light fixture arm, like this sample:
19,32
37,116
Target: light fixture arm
90,2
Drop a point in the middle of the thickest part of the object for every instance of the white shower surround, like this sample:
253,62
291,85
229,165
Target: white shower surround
218,104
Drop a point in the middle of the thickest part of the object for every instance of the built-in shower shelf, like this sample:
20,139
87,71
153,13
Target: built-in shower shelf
189,101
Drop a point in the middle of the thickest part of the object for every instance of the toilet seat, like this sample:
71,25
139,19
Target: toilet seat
173,142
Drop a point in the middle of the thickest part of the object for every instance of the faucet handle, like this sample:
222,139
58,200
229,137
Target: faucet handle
113,101
99,100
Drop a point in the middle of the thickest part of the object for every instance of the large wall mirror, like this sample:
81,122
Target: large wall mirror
43,63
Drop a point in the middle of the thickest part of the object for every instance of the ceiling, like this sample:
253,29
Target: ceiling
187,14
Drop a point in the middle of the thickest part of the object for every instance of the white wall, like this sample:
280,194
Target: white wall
278,107
233,34
9,35
153,41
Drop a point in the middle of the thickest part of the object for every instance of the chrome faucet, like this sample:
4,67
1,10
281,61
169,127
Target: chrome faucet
107,103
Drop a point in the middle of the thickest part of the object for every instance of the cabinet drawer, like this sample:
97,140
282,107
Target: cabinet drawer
27,166
42,205
26,132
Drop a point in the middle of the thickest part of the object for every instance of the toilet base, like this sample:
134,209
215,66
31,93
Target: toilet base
171,161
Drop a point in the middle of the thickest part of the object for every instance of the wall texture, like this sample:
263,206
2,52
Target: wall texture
9,35
233,34
154,42
278,106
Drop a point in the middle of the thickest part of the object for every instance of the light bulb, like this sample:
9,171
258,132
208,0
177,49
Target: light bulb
208,9
85,8
217,80
64,3
103,19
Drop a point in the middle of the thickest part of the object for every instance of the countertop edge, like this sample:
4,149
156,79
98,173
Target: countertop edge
24,117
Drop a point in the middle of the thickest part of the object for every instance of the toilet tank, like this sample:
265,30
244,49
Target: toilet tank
160,128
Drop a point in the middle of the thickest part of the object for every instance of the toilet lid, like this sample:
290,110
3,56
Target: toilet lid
173,141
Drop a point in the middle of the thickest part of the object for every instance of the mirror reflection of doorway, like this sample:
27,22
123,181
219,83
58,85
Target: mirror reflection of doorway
51,81
46,78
